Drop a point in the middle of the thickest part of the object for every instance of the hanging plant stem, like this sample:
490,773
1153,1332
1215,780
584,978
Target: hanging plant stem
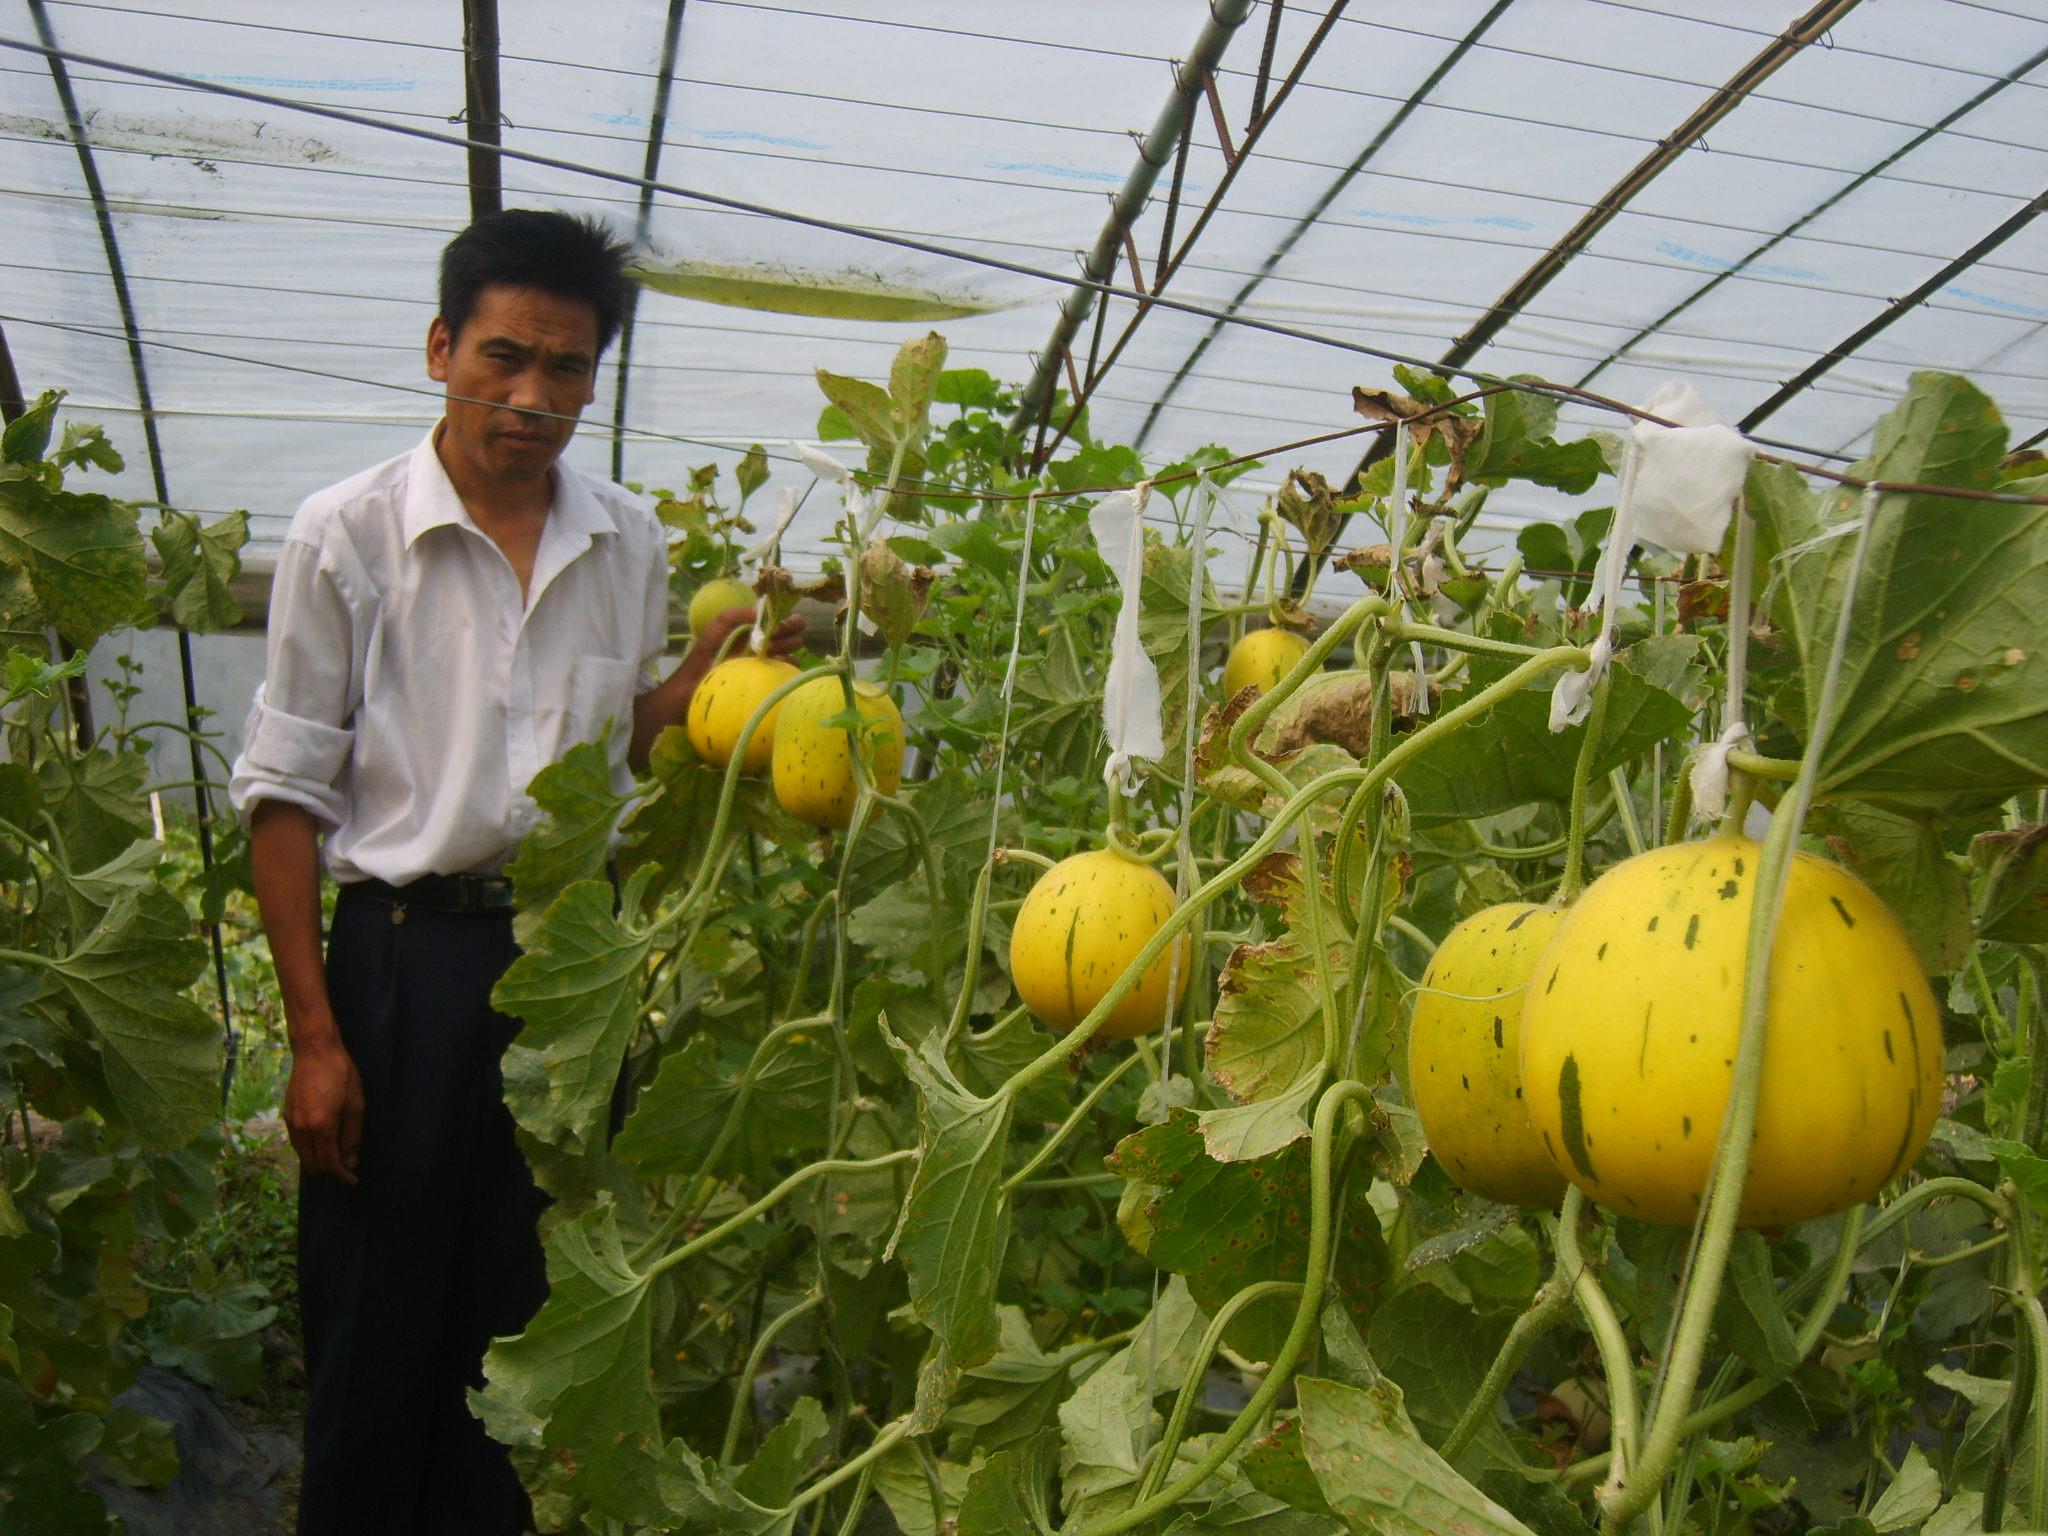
1281,1368
1627,1497
1575,837
1546,1309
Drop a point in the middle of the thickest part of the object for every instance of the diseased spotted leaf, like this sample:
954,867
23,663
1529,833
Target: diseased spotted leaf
1942,690
1277,1464
1240,1133
577,987
954,1223
913,380
1267,1033
159,1050
864,407
1226,1225
1379,1476
575,839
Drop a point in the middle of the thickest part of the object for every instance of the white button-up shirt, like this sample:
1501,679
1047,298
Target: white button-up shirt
411,695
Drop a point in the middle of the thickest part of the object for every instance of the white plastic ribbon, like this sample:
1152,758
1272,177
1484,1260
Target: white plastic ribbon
786,503
860,516
823,465
1710,767
1689,474
995,813
1130,698
1572,696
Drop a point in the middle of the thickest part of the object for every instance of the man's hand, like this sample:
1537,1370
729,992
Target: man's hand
323,1111
659,708
323,1099
788,636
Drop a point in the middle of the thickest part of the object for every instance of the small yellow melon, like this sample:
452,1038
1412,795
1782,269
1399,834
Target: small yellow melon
726,699
714,597
1078,932
1261,659
812,765
1630,1027
1465,1055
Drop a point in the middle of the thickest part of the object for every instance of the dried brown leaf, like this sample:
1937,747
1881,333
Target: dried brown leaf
1457,432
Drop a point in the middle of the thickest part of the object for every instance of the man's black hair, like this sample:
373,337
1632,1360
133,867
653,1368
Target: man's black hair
558,253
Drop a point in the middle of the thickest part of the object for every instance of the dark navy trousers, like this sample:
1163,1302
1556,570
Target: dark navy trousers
404,1278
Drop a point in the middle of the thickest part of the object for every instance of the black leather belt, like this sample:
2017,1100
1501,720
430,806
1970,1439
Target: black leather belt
441,893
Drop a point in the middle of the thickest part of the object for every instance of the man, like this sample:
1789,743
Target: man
442,626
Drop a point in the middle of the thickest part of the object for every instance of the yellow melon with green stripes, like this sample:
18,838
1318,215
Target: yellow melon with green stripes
1080,929
1630,1026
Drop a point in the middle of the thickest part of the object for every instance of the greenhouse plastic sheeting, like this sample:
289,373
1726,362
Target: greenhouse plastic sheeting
282,265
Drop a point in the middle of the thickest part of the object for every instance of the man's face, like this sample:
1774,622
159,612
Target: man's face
521,351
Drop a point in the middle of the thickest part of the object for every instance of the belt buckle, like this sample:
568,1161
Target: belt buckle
484,893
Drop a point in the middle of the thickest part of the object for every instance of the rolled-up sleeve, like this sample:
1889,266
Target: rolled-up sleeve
296,741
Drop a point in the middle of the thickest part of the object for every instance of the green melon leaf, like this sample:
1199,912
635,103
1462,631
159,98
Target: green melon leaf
82,555
955,1222
199,564
572,844
159,1050
1944,687
577,987
1379,1476
576,1378
1509,756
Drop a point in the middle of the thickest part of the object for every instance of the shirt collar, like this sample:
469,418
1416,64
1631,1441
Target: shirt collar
431,500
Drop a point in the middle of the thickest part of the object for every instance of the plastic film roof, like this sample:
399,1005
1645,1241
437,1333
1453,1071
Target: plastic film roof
280,266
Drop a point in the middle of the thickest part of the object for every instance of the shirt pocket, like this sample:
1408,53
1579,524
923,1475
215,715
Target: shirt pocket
600,690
